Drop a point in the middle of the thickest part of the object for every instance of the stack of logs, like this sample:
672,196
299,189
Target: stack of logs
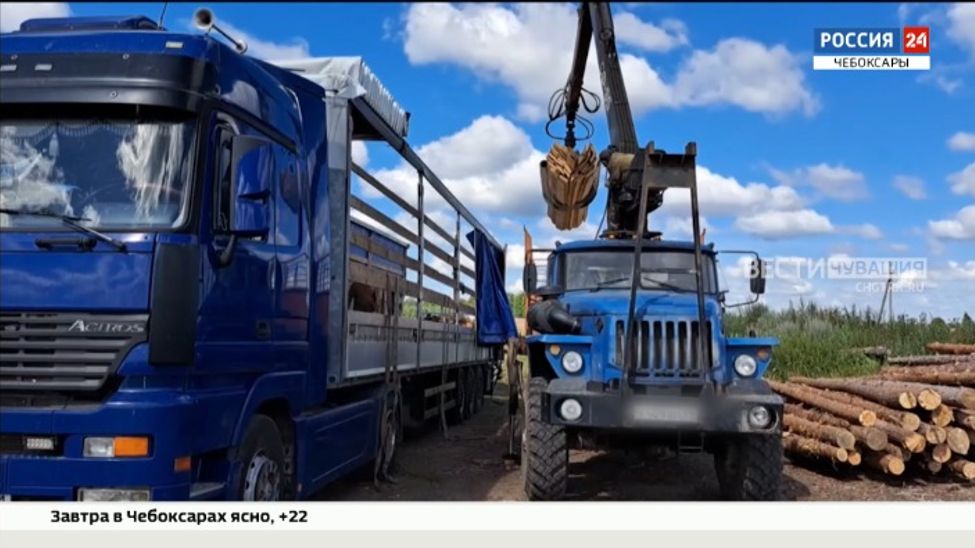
917,414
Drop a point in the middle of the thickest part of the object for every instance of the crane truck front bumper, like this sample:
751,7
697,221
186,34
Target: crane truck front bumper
744,407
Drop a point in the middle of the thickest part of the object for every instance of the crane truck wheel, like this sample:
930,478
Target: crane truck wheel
750,468
544,450
261,462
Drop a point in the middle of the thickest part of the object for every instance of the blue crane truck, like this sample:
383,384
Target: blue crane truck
194,301
629,347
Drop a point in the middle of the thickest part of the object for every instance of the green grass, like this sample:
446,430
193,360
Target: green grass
816,342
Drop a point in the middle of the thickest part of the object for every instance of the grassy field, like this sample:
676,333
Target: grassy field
817,342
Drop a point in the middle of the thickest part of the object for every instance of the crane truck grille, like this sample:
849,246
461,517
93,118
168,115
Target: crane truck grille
667,348
64,352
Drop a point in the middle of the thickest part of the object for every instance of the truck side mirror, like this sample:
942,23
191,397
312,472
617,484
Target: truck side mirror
529,278
757,284
251,174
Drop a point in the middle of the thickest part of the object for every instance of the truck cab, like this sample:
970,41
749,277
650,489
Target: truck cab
687,386
189,306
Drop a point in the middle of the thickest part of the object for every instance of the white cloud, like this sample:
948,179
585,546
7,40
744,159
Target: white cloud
785,224
491,165
833,181
528,47
633,31
516,256
721,196
360,154
295,48
959,227
961,25
866,231
912,187
12,14
963,182
962,141
746,74
683,227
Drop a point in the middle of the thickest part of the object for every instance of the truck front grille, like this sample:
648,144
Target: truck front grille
667,348
64,352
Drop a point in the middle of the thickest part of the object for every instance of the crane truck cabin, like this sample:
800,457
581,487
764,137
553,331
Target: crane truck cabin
194,303
630,345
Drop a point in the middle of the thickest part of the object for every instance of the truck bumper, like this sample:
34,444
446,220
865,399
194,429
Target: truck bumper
169,422
665,409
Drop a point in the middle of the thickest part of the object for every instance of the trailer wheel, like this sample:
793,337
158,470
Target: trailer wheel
458,413
479,387
389,436
261,462
544,451
749,467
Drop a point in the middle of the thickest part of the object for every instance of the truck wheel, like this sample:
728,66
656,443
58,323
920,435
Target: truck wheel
458,413
544,452
389,436
479,387
750,467
261,462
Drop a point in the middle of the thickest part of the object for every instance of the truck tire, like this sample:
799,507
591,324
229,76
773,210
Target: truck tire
749,467
390,434
260,461
458,413
544,450
479,386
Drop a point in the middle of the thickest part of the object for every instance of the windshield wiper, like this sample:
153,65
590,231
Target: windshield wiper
72,221
604,283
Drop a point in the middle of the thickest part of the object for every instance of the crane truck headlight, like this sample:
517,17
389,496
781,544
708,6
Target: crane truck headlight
759,417
570,409
745,365
572,362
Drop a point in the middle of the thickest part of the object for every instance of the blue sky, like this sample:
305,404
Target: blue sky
795,163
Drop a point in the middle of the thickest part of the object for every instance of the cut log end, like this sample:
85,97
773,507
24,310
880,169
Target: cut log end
941,453
928,399
868,418
958,441
853,458
907,400
890,464
933,466
915,443
910,422
942,416
963,468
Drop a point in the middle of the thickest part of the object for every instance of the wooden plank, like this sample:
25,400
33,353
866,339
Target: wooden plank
383,279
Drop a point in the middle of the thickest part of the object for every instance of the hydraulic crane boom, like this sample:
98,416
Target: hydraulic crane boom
623,156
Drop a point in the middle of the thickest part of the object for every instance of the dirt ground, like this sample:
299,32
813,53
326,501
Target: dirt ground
468,465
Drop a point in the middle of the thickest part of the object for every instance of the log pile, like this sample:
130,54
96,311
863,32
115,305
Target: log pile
569,184
917,417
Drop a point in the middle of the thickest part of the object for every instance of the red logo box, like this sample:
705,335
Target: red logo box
917,40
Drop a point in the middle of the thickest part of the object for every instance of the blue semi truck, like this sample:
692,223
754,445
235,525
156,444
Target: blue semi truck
629,347
202,296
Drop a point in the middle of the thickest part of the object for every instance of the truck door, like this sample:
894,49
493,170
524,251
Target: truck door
292,263
237,307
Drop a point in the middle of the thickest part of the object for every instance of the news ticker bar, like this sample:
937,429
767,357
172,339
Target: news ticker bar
871,62
479,516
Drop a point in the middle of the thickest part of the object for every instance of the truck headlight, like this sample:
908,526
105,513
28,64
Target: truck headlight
572,362
745,365
570,409
118,446
759,417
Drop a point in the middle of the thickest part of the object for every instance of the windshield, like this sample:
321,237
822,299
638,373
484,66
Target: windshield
112,173
667,270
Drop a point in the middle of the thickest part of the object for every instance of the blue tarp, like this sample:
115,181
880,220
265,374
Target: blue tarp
495,322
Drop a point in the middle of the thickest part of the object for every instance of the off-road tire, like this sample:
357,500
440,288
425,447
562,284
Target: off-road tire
544,451
260,446
749,467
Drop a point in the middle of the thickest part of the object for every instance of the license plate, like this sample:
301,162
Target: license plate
666,412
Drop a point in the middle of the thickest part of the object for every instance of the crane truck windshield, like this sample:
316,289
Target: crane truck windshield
663,270
105,173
